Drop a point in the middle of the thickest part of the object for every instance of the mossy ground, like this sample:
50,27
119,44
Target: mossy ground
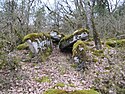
57,91
43,79
116,42
59,84
98,52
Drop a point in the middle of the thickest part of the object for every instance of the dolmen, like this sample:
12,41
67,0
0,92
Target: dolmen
42,43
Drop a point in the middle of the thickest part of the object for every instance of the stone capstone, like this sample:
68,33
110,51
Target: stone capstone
67,42
56,36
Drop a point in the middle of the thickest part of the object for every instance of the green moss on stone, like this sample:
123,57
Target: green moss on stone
116,42
81,30
76,49
66,37
79,42
69,40
32,36
77,32
45,51
57,91
22,46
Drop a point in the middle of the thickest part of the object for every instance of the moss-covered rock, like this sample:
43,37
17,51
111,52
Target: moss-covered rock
39,43
79,53
57,91
82,33
23,46
116,42
79,47
67,42
56,36
32,36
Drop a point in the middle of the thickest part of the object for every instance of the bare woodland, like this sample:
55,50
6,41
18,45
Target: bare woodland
105,20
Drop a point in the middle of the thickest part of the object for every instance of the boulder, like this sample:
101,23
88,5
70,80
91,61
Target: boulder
56,36
66,43
39,43
79,54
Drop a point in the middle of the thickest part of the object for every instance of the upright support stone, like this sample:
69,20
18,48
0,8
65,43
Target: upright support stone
79,54
39,43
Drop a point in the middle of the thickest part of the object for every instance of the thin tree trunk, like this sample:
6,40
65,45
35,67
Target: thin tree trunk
95,34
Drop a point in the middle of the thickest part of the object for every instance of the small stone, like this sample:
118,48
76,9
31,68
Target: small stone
30,89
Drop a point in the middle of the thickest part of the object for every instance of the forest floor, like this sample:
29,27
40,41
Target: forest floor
105,74
35,78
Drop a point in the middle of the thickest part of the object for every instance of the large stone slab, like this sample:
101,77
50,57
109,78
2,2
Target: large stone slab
55,36
67,42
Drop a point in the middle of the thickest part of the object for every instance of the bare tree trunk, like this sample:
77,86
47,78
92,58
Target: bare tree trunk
56,20
95,34
84,15
81,14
